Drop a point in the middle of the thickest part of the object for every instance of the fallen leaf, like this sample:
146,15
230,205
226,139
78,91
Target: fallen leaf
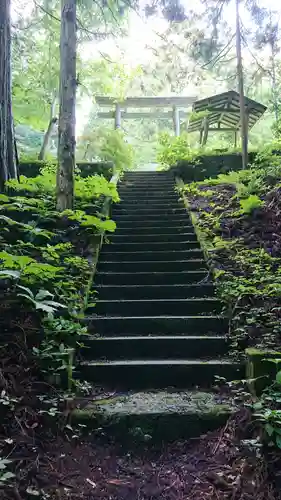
91,482
118,482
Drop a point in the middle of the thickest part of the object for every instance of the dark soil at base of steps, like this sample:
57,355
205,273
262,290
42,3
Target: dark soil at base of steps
217,466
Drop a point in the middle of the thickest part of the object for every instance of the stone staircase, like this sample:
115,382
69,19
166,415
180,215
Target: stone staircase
156,323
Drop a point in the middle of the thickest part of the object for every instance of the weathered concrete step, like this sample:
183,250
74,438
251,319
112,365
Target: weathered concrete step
151,266
151,246
153,221
174,291
151,193
149,186
149,204
157,325
159,195
153,374
155,230
156,307
148,175
157,255
158,278
149,212
157,416
152,237
154,347
135,209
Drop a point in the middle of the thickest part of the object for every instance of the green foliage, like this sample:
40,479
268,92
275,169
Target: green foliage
89,221
106,145
198,115
42,300
248,205
175,149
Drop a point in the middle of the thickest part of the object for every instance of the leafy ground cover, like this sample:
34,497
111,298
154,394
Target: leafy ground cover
46,267
238,221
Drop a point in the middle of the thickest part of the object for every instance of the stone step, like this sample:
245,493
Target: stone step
158,416
154,347
157,255
156,307
145,191
157,196
164,184
157,176
152,237
117,326
153,220
154,230
148,204
159,278
151,246
133,292
152,374
151,266
148,212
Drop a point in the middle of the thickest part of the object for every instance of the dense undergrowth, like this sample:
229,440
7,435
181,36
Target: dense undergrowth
46,265
238,222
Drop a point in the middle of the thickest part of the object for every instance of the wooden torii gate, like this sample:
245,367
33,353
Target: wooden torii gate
119,110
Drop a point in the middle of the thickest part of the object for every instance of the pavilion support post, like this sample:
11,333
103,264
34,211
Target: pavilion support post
205,131
235,138
201,136
117,116
176,120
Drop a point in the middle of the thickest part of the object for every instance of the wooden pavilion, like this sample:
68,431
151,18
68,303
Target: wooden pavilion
221,113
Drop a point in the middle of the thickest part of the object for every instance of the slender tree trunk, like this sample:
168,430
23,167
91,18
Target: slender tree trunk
273,82
49,131
8,167
243,116
66,144
47,138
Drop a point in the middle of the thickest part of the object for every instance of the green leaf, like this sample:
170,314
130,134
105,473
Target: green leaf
278,377
42,294
278,441
269,429
10,273
6,475
27,290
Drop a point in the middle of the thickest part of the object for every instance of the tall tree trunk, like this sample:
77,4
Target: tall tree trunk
243,114
8,167
66,144
274,83
49,131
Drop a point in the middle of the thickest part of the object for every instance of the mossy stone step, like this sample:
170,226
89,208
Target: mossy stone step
124,222
144,195
153,347
155,374
171,255
153,237
152,266
147,230
152,219
151,246
156,307
175,291
148,278
157,325
161,210
154,416
148,203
